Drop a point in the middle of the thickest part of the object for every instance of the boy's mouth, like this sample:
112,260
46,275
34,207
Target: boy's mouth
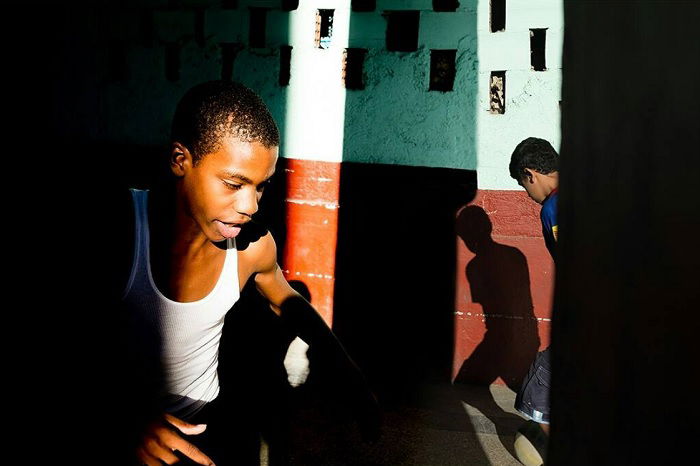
228,230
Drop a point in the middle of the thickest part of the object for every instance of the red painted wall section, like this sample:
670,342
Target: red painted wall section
504,288
312,229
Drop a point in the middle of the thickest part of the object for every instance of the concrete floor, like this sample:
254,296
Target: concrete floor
440,425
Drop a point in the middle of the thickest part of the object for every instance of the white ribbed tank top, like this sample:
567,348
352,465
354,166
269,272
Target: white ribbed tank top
190,332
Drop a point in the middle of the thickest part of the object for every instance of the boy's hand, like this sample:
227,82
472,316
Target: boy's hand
296,363
160,440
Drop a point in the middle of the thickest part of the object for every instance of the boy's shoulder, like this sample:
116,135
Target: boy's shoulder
257,247
251,233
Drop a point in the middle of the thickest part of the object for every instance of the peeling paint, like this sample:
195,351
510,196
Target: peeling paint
317,202
320,275
503,316
325,276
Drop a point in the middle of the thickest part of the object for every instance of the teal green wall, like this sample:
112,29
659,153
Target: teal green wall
394,120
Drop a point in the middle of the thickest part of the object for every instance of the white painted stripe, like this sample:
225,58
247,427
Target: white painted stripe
311,275
317,202
315,98
502,316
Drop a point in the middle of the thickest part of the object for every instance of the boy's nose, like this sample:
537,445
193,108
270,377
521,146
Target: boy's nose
248,205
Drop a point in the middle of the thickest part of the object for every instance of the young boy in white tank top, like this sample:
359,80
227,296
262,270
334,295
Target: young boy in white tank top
187,271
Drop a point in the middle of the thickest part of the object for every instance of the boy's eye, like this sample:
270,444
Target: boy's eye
232,186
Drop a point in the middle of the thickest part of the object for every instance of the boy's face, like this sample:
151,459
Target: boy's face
226,186
532,183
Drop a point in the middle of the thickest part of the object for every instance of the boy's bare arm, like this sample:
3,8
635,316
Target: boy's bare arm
271,283
269,279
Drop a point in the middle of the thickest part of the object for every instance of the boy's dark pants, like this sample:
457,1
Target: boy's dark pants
233,433
532,399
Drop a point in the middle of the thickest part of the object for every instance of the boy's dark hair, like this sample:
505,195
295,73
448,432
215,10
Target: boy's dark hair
533,153
212,110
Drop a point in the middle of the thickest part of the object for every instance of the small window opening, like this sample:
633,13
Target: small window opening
285,64
229,51
172,61
290,5
442,70
402,30
445,5
498,15
324,28
353,67
199,26
256,31
537,41
497,86
364,5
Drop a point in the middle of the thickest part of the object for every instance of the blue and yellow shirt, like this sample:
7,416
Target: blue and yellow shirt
548,215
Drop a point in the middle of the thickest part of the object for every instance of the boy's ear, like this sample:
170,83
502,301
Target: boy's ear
530,175
178,155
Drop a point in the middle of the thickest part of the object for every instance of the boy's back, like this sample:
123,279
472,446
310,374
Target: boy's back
550,226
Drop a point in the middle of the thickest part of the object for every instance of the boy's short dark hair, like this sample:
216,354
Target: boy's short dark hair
212,110
533,153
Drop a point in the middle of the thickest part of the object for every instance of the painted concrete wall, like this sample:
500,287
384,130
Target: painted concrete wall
140,108
313,128
532,97
455,129
395,120
504,287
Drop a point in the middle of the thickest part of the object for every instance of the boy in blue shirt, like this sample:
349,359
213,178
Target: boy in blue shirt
534,165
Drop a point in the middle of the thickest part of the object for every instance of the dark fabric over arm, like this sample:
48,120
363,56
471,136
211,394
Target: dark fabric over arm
334,364
329,354
300,316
